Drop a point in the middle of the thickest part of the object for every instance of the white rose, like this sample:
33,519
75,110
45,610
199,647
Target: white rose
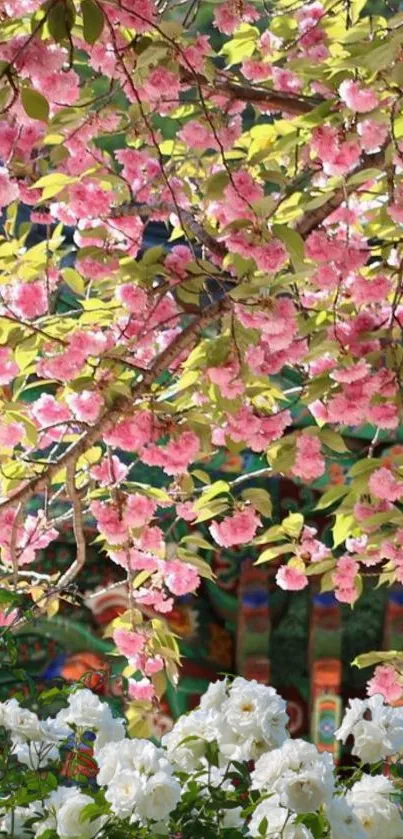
378,815
371,742
215,696
112,730
304,792
280,822
200,726
295,755
109,759
343,821
53,732
353,714
160,795
123,792
274,721
233,818
85,710
377,729
21,722
245,707
68,818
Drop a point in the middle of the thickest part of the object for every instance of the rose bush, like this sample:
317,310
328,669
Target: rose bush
227,769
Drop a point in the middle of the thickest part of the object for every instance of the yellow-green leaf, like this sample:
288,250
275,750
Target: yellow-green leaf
293,524
34,103
274,552
260,499
93,20
74,280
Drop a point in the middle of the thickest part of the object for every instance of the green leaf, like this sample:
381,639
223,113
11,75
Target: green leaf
35,105
215,508
343,528
242,45
274,552
54,179
61,19
217,488
369,659
331,496
202,476
293,524
333,440
320,567
215,185
326,583
368,464
93,20
362,176
260,499
273,534
194,539
262,829
293,242
74,280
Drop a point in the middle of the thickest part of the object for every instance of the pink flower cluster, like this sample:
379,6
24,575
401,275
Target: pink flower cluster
344,579
309,462
385,682
256,432
29,537
238,529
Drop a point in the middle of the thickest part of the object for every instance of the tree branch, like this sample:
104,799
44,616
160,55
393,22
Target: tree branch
147,210
78,526
122,405
275,100
313,218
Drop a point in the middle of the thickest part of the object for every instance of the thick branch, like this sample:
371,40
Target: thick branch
78,526
272,99
147,210
313,218
123,405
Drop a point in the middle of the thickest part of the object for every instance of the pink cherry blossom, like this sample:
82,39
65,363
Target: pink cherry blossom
139,510
384,416
373,134
290,578
357,97
8,618
386,682
238,529
49,411
27,300
383,484
132,297
8,368
85,405
129,643
110,471
109,522
227,19
186,511
178,259
132,433
175,457
11,434
142,690
309,463
8,188
180,577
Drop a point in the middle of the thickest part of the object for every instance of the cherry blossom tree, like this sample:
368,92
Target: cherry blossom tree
272,150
